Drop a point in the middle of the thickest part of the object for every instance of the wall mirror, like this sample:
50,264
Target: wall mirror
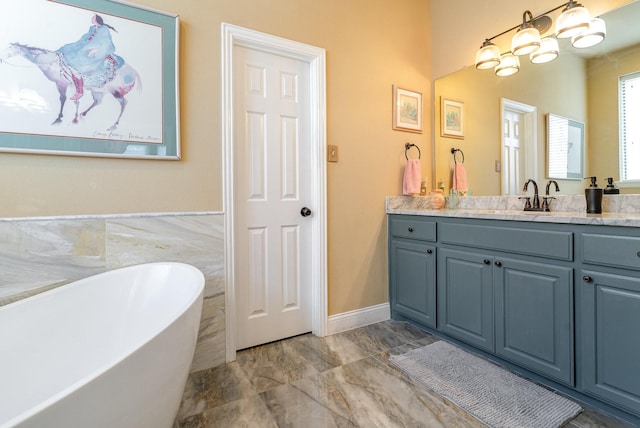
580,84
565,148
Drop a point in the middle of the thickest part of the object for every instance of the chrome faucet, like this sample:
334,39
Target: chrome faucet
546,197
536,200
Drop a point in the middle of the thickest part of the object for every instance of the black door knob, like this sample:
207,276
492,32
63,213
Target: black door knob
499,264
486,261
305,212
429,251
587,278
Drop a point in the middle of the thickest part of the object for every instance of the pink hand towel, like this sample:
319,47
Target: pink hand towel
412,174
460,178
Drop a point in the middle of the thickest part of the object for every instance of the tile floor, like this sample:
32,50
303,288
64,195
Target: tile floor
344,380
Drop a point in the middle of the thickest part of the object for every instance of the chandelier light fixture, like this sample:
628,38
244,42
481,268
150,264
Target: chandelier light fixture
574,22
527,39
488,56
549,50
509,64
596,33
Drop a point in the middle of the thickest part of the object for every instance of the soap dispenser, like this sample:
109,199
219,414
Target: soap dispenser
593,193
611,189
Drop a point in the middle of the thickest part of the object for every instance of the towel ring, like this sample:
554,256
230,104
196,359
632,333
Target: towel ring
453,152
407,146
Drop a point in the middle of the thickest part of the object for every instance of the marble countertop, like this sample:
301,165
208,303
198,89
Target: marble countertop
477,209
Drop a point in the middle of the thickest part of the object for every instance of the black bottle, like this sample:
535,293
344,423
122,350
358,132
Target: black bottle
593,194
611,189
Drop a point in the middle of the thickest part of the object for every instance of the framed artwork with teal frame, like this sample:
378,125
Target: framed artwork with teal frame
89,78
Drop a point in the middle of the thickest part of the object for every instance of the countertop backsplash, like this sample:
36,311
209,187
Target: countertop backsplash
618,210
562,203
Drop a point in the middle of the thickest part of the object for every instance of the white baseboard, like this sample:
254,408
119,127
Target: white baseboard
358,318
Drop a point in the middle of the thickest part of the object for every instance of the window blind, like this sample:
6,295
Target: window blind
629,117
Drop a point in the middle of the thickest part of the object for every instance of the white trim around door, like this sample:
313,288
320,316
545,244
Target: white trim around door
237,36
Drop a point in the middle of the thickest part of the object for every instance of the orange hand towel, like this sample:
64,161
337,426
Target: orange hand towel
412,174
460,178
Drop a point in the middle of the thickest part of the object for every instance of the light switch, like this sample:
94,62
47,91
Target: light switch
498,166
332,153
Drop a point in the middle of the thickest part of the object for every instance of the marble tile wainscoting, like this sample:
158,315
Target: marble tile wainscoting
37,254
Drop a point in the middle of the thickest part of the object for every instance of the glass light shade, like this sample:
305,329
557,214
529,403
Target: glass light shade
572,21
595,34
525,41
488,56
549,50
509,64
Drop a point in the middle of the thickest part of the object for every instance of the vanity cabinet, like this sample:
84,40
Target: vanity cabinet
534,316
465,297
412,269
610,314
560,300
518,309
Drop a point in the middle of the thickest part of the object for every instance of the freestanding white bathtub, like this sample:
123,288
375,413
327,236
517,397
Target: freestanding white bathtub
112,350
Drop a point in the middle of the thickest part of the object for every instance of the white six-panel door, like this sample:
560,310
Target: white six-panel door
518,144
512,166
272,184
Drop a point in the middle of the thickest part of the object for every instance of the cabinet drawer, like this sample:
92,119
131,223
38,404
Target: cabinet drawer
413,227
609,250
542,243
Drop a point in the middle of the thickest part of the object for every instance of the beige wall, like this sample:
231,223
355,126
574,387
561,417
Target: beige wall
603,104
460,26
371,45
481,92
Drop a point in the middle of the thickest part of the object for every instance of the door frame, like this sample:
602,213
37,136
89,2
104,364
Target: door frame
530,137
233,35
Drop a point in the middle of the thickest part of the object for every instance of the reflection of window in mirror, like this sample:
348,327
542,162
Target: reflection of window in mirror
629,98
565,148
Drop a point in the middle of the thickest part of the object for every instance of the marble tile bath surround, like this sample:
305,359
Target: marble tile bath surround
37,254
40,254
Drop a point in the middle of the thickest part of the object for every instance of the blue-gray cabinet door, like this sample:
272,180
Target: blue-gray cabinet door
534,316
465,297
610,333
412,277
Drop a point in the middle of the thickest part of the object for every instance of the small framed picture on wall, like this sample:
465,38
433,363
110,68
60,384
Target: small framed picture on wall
452,118
407,110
